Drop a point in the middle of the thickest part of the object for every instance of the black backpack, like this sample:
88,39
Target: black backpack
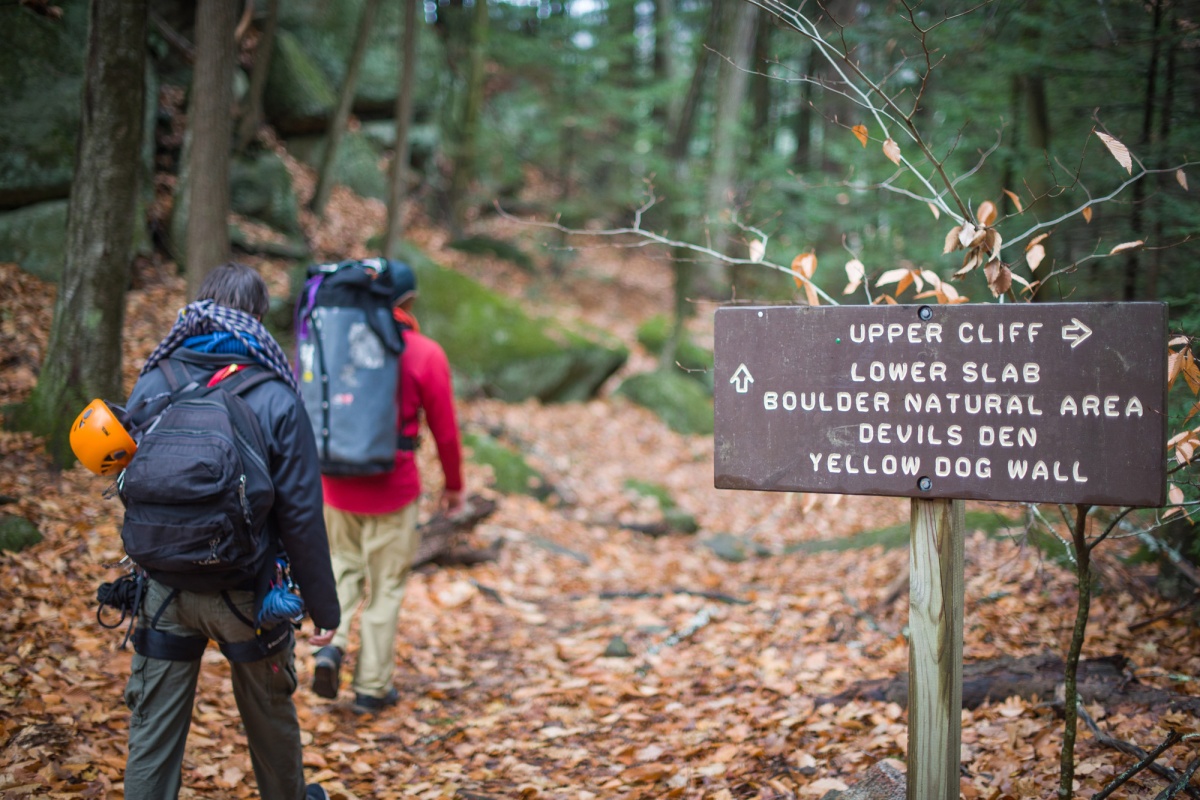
348,346
198,490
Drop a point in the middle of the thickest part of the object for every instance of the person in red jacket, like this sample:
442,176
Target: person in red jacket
372,520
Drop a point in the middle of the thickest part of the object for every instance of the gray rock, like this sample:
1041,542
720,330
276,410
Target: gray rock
684,404
261,187
35,237
497,350
41,81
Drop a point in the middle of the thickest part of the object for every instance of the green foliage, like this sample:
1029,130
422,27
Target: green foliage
17,533
675,518
487,245
511,474
694,361
683,404
893,536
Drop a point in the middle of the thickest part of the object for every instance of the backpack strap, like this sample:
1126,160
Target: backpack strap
243,379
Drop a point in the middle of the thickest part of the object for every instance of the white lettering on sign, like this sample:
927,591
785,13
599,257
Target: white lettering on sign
742,379
988,373
1017,470
972,333
1092,405
913,333
853,463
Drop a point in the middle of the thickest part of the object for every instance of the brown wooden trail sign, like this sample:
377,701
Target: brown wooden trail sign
1033,402
1042,402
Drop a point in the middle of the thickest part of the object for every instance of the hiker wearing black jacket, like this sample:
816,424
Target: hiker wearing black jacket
207,338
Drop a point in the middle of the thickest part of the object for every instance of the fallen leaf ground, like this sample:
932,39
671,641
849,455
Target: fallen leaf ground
506,689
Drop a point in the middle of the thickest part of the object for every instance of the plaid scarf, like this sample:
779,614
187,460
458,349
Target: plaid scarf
205,316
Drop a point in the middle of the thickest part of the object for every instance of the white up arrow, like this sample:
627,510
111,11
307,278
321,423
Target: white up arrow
1076,332
742,379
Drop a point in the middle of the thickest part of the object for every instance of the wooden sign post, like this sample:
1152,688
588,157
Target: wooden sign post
935,648
1045,402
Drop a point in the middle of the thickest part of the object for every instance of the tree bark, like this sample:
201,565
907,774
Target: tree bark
472,109
211,121
337,125
731,93
83,356
398,177
252,109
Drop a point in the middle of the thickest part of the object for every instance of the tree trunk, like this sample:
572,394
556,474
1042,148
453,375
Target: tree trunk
677,154
761,86
398,177
802,159
731,93
664,60
83,356
211,123
252,109
337,125
1133,261
472,109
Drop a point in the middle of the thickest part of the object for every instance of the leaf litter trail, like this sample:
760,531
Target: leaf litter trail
507,680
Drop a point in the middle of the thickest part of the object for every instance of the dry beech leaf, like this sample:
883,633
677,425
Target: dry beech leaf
1034,256
1178,340
966,234
892,151
860,132
999,277
986,213
891,276
758,249
805,264
1119,151
1181,177
1087,214
810,294
855,274
1015,200
1175,494
1121,248
952,240
937,213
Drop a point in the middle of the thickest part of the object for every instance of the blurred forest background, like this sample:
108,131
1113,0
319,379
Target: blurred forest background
577,184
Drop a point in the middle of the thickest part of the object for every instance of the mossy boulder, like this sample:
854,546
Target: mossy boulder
298,95
498,350
675,518
260,187
41,82
691,359
17,533
357,165
511,474
35,237
682,403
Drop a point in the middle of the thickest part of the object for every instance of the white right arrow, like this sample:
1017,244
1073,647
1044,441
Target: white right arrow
742,379
1076,332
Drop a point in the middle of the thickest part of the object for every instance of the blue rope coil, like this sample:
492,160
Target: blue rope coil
280,604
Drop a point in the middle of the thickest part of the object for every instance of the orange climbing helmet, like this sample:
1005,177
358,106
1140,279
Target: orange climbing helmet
100,440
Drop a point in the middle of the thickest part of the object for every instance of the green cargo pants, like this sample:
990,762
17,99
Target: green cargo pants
160,695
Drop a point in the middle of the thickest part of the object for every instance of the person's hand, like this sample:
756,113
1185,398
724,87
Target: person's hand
321,638
452,502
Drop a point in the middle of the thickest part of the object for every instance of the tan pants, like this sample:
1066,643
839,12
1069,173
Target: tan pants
372,555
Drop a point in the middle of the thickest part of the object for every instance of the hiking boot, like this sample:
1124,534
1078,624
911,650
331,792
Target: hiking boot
314,791
326,672
366,704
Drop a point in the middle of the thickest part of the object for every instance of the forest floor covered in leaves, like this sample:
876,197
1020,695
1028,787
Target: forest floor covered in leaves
512,678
